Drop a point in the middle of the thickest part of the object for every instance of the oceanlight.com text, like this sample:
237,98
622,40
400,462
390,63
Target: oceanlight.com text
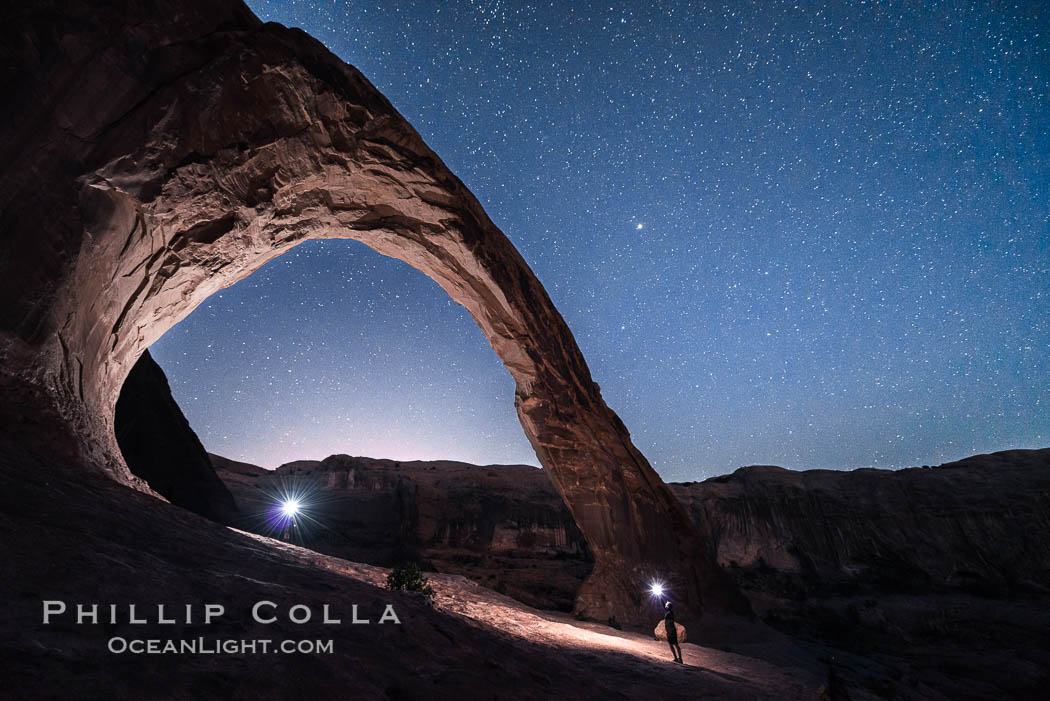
212,646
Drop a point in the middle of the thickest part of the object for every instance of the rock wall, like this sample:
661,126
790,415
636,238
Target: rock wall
160,447
937,578
979,525
156,152
504,526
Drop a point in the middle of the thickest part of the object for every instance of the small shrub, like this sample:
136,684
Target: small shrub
409,578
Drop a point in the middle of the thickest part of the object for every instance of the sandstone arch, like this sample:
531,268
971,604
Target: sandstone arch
222,143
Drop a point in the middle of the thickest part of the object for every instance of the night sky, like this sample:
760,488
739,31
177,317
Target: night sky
794,234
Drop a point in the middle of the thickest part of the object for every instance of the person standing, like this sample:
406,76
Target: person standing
672,632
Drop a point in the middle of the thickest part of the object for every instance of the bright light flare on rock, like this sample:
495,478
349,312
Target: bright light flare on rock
657,589
291,508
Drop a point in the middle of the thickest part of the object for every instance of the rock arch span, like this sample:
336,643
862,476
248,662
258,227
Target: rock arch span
156,161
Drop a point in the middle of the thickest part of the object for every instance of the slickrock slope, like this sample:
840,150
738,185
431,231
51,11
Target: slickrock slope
926,581
155,152
503,526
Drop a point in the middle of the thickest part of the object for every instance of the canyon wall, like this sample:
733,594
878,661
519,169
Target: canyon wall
979,525
937,575
504,526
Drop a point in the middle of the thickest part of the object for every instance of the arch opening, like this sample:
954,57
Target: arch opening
333,349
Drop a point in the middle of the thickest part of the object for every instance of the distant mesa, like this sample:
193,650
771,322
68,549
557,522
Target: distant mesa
503,526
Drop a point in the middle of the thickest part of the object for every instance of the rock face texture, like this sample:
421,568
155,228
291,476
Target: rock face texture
939,575
159,446
979,525
503,526
156,152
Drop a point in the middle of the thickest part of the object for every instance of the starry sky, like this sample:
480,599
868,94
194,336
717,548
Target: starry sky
807,234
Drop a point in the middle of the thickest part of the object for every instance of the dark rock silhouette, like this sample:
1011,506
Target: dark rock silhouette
157,152
160,447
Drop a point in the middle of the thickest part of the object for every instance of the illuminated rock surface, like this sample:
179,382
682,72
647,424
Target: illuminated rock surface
660,632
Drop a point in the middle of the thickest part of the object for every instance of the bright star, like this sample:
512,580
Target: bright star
640,226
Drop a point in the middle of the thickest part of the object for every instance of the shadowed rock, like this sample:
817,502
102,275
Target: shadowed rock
160,447
979,525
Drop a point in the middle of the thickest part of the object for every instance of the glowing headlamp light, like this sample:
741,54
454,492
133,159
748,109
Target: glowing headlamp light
290,508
